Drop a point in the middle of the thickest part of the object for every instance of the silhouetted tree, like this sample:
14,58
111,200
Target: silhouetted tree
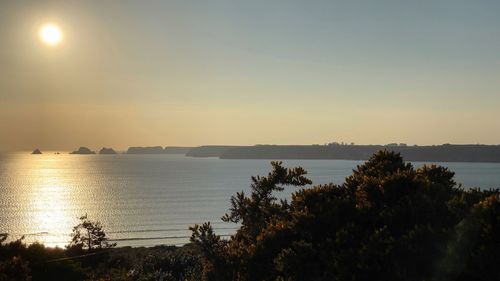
89,236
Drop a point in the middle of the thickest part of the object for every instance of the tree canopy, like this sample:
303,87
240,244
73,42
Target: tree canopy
89,235
387,221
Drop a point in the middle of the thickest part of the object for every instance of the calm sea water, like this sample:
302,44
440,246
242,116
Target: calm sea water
145,200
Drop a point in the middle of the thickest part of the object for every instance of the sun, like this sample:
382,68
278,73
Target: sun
50,34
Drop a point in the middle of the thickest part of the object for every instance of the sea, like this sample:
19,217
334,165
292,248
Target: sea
147,200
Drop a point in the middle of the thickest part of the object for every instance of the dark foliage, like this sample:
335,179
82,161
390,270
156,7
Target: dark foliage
167,264
90,257
388,221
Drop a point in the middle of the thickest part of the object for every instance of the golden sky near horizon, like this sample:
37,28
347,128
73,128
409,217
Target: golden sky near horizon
119,74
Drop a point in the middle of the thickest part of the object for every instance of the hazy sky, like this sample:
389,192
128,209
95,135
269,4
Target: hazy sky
247,72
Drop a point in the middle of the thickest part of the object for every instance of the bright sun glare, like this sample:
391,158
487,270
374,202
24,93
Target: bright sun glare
50,34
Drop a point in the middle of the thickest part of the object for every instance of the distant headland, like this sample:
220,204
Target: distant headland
83,150
433,153
106,150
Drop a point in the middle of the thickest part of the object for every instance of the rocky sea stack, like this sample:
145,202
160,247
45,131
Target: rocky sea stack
36,151
83,150
106,150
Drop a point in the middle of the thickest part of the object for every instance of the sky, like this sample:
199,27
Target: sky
132,73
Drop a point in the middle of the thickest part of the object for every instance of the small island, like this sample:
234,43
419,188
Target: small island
106,150
83,150
36,151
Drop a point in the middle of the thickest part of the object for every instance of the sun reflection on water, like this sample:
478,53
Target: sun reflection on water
50,202
42,196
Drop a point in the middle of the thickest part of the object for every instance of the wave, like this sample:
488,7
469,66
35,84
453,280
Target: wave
163,230
47,233
156,238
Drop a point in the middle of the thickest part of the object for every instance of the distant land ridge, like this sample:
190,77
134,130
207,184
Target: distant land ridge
145,150
435,153
429,153
212,150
